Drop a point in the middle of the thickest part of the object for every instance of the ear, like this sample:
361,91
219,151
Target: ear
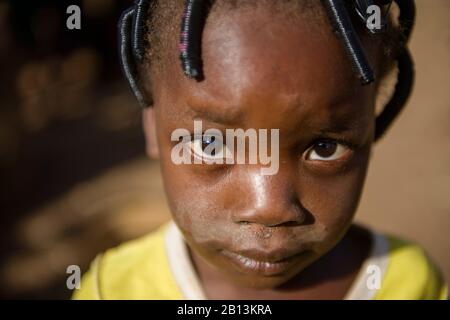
149,124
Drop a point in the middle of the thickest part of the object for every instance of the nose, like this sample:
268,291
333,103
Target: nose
270,200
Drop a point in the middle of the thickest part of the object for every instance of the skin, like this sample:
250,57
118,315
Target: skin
292,75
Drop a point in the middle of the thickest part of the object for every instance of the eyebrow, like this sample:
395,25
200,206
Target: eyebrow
342,128
219,117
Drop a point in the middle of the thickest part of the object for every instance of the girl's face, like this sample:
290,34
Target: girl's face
266,71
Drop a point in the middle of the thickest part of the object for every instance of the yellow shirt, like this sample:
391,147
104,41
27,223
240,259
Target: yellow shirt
157,266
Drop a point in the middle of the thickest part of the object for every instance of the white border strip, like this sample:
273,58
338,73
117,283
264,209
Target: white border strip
379,256
181,265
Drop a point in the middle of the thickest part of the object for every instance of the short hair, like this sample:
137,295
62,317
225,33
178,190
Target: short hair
144,27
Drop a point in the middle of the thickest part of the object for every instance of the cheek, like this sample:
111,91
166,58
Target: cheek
196,204
195,199
333,200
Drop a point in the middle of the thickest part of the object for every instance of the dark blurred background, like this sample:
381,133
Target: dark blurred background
74,179
66,117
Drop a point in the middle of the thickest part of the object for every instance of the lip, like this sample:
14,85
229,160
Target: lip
259,264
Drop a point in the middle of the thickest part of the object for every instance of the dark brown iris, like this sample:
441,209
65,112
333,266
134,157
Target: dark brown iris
325,149
209,140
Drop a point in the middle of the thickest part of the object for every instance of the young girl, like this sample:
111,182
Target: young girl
307,68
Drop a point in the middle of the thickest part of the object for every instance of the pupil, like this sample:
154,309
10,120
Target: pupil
325,149
206,141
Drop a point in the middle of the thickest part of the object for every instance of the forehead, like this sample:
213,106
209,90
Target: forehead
257,60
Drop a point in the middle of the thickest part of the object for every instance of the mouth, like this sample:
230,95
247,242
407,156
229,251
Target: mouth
258,265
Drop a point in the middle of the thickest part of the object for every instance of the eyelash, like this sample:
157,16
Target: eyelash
195,140
349,149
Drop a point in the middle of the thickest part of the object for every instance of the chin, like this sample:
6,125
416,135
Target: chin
266,283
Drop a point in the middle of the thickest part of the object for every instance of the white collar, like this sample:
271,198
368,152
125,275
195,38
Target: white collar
191,288
181,265
378,258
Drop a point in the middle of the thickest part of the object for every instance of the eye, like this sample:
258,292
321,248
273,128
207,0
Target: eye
210,148
327,150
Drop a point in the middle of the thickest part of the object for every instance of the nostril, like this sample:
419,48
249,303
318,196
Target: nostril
273,217
294,217
291,223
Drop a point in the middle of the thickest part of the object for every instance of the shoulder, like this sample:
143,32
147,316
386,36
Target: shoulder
138,269
410,273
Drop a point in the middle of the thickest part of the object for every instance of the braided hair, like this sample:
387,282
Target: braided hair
133,29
